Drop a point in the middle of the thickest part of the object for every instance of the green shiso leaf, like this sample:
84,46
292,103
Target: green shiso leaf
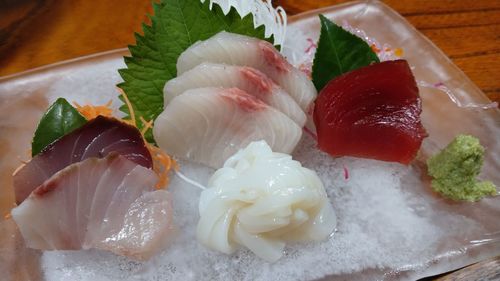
175,26
338,52
60,119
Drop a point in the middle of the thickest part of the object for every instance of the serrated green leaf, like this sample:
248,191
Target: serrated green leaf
60,119
338,52
175,26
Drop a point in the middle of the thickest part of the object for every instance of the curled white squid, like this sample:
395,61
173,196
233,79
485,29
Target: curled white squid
261,199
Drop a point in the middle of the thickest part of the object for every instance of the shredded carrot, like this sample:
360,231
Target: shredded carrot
375,49
398,52
162,162
162,165
146,125
129,106
7,216
91,111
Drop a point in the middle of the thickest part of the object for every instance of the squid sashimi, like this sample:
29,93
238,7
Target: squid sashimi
208,125
229,48
261,200
104,203
97,138
245,78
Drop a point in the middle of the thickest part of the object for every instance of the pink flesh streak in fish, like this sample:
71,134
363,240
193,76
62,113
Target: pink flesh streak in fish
234,49
245,78
211,124
273,58
257,78
245,101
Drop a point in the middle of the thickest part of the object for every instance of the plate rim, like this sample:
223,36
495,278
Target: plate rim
292,19
62,63
120,52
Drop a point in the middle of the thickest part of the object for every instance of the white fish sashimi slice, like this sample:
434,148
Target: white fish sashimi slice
68,223
134,184
144,221
109,184
85,194
235,49
145,229
97,138
40,222
208,125
245,78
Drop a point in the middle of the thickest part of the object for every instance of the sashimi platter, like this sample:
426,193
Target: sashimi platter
230,142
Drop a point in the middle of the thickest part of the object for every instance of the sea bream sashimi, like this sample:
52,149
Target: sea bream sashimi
104,203
97,138
245,78
208,125
235,49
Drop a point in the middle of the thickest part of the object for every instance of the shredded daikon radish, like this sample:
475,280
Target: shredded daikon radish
274,19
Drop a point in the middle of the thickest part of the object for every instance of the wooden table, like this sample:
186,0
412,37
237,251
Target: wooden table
39,32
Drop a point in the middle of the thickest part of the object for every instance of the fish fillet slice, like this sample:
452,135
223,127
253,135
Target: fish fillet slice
87,183
136,220
208,125
235,49
245,78
145,227
133,185
110,181
97,138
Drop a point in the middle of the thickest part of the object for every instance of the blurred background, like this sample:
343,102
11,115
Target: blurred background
40,32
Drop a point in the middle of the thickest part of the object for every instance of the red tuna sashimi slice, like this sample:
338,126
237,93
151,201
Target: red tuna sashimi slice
97,138
372,112
106,203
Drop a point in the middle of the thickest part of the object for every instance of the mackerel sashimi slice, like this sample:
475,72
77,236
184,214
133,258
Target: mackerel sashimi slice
97,138
236,49
208,125
104,203
372,112
245,78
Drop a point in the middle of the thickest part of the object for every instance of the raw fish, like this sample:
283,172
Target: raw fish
97,138
372,112
106,203
235,49
208,125
245,78
261,199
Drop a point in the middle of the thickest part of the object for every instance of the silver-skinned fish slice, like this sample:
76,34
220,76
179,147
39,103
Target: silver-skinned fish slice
235,49
245,78
108,203
208,125
97,138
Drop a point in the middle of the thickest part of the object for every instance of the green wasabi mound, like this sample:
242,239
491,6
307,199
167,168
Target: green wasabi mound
455,168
